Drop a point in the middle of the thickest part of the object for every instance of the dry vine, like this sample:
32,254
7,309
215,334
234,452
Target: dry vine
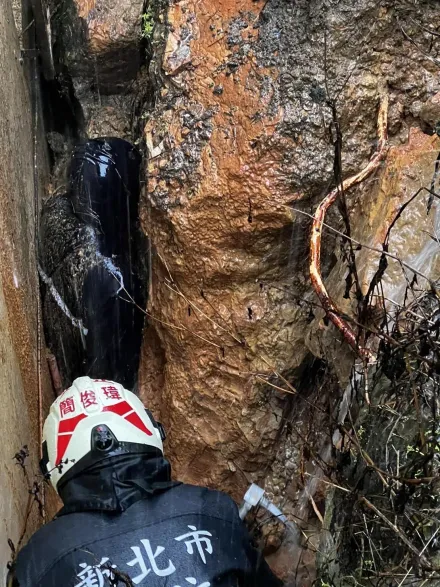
34,497
328,305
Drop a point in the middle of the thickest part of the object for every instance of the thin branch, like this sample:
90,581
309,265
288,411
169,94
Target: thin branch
328,482
315,240
369,461
370,248
183,328
423,560
277,387
411,40
424,28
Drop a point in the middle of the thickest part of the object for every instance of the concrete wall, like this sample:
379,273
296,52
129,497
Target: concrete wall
20,405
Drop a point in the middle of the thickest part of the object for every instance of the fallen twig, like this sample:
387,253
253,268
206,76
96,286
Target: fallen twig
382,474
423,560
315,240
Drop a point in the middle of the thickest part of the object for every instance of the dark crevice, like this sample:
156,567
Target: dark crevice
63,117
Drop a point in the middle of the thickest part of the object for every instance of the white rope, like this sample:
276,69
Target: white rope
76,322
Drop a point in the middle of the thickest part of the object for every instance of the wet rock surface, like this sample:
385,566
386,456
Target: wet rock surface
225,169
101,42
24,382
242,132
99,52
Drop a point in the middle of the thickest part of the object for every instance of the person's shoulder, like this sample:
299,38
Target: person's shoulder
207,492
34,552
210,497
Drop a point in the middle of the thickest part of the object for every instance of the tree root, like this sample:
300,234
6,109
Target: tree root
329,306
55,374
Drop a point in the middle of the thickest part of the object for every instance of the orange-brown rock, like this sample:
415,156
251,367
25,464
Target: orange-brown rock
215,211
99,43
237,137
242,132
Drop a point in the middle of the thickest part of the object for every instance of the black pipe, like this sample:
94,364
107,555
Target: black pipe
94,252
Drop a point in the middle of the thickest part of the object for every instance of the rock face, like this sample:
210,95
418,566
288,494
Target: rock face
101,42
98,46
216,203
242,132
24,385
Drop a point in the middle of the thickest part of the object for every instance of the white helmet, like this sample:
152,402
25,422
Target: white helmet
95,416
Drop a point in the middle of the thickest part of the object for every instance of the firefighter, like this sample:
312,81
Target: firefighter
124,520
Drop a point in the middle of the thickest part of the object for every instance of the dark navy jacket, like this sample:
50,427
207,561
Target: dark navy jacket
185,536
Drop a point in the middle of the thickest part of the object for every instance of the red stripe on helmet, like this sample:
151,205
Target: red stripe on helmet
120,408
69,424
62,444
136,421
66,426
